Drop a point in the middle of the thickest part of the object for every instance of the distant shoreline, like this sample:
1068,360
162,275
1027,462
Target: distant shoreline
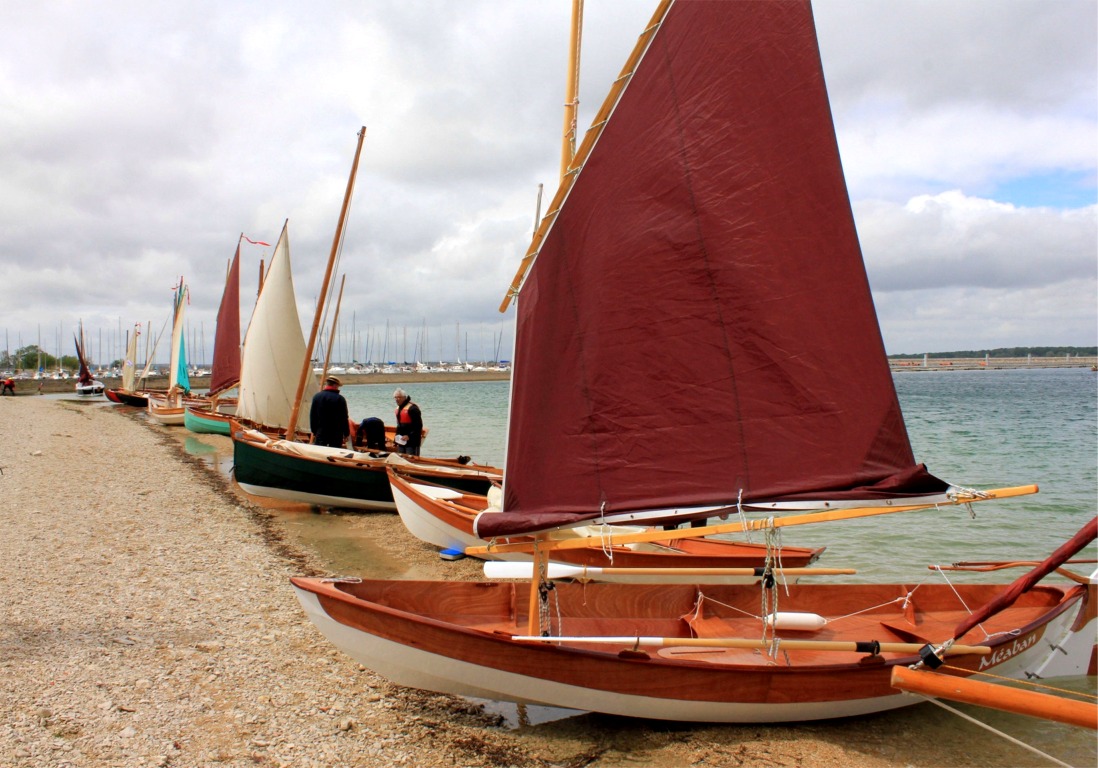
198,383
990,363
54,386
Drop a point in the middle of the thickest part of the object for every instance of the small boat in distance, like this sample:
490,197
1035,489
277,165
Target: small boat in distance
214,415
168,408
86,384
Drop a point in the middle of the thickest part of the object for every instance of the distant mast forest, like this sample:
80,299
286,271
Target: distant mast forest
1003,352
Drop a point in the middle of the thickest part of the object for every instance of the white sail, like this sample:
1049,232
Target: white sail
274,348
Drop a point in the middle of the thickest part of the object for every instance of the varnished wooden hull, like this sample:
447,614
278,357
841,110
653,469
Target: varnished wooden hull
456,637
447,523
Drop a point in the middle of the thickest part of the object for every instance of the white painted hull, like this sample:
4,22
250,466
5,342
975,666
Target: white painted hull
316,499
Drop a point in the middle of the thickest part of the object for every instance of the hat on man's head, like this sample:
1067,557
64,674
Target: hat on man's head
333,380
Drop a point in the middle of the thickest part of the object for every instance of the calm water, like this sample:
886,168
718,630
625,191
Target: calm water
983,429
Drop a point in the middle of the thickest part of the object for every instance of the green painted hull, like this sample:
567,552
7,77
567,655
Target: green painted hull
276,474
206,424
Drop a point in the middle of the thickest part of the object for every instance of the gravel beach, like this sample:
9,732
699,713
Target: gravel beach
148,621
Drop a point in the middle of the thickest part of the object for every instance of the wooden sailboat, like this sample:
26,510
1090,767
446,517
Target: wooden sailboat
125,395
281,463
134,391
444,516
86,384
702,652
215,416
169,409
696,339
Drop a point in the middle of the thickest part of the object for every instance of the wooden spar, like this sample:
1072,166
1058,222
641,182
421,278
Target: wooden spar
509,569
584,150
539,571
307,364
864,646
985,567
571,90
335,324
613,537
996,696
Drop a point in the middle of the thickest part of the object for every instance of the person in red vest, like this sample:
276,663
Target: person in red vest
409,424
9,386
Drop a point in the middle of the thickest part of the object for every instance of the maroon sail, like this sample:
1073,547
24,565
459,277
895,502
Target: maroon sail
698,326
225,371
84,375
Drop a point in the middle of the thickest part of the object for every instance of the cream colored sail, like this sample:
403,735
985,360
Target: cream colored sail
129,365
274,348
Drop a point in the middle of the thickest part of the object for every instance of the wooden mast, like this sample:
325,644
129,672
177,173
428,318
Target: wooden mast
571,91
306,366
585,148
335,325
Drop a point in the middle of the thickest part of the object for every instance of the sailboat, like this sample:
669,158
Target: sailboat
443,516
214,416
696,340
86,384
169,409
125,395
271,457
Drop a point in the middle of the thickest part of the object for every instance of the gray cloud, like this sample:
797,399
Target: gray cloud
138,142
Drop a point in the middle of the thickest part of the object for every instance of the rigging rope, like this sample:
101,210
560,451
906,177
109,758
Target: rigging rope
996,731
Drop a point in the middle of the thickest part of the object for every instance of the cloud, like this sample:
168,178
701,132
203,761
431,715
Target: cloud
138,142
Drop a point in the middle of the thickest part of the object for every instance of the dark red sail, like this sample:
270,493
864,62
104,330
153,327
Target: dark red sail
225,371
698,326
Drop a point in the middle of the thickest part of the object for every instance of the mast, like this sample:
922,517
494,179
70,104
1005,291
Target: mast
571,91
291,427
584,150
335,325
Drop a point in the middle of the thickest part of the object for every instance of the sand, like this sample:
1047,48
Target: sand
148,621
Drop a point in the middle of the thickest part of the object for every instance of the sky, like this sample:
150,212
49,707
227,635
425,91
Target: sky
139,140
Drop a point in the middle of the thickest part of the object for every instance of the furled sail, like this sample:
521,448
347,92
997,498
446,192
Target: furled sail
84,375
698,328
129,365
274,348
178,378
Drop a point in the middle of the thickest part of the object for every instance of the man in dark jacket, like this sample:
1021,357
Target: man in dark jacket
409,424
328,418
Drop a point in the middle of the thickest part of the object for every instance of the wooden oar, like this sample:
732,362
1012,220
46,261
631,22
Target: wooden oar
501,569
613,537
860,646
996,696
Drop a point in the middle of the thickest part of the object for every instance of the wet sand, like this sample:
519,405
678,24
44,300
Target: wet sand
148,620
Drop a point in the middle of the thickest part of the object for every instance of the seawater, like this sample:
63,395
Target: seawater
981,429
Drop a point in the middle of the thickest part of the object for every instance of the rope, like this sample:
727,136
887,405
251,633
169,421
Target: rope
743,516
996,731
960,599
